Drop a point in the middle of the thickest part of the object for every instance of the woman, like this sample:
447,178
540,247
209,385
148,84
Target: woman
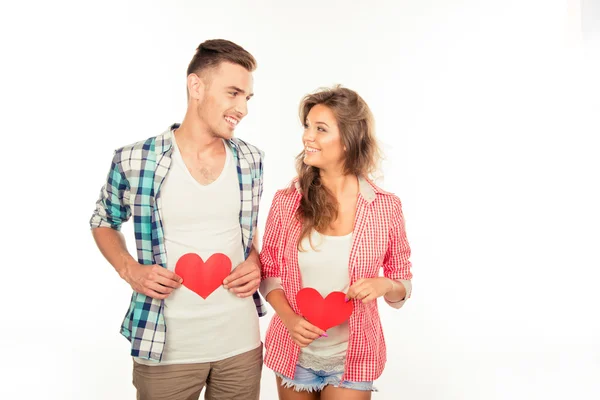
332,230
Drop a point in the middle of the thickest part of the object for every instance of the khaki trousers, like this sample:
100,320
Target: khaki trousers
236,378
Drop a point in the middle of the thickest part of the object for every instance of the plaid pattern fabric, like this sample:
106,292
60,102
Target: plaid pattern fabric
379,240
132,188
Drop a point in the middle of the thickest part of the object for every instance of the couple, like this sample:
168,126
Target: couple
196,189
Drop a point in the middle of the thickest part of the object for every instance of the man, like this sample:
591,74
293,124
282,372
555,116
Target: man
192,189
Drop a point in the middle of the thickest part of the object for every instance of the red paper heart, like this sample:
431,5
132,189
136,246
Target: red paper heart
203,277
323,312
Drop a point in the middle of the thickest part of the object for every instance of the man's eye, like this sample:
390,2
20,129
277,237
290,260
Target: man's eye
233,93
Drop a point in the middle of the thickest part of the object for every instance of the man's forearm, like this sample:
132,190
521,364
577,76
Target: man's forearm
112,246
253,256
254,251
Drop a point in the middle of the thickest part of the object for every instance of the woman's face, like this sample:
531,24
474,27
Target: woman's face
322,141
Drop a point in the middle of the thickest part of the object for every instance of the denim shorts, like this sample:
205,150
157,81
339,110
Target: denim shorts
309,380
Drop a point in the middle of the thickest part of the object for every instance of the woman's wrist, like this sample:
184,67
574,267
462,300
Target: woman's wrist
288,317
396,292
390,286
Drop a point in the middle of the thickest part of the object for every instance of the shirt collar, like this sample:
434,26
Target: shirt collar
366,189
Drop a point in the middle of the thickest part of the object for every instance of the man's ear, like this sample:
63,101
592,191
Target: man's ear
195,87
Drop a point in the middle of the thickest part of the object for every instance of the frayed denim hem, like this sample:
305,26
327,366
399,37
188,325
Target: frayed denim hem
318,386
354,386
300,387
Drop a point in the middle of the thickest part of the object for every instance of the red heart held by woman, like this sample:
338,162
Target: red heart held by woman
323,312
203,277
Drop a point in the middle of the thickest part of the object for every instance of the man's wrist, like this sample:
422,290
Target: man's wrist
253,256
124,270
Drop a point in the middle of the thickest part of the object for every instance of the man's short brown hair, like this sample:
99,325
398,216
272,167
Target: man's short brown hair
211,53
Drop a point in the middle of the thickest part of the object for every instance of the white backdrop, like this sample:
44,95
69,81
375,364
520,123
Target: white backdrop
486,110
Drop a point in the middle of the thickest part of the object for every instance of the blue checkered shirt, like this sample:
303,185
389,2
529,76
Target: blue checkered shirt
132,188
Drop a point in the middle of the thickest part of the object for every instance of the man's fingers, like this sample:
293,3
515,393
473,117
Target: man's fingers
158,288
242,270
246,290
235,274
246,294
241,281
251,286
167,282
233,282
168,274
155,295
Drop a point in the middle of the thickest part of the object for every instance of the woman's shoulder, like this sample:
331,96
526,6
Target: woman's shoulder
288,195
383,196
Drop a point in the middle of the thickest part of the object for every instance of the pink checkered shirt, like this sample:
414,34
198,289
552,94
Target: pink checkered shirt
379,240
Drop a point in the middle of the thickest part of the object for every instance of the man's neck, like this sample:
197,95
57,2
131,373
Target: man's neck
195,139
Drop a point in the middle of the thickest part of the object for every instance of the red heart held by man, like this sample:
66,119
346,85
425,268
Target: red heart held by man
203,277
323,312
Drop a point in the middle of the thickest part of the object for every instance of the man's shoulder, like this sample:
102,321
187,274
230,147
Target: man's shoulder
143,149
142,145
246,149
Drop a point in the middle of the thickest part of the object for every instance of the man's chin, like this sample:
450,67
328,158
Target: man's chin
223,134
227,135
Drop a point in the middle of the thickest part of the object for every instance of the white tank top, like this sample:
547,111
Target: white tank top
326,270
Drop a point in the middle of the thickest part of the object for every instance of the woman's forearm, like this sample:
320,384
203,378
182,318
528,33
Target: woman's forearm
280,304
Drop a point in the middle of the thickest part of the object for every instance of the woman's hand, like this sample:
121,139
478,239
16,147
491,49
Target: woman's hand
370,289
301,331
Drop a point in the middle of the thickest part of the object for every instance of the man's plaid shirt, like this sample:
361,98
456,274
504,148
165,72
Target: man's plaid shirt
132,188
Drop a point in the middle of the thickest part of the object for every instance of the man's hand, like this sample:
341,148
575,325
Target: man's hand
245,278
151,280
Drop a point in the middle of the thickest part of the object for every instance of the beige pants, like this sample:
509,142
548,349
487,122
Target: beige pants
236,377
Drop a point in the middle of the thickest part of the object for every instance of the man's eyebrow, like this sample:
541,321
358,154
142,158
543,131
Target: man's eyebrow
237,89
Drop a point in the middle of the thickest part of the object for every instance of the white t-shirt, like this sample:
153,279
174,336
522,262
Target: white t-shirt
204,219
326,270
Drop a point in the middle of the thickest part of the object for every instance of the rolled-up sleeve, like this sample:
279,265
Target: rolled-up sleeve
396,264
112,207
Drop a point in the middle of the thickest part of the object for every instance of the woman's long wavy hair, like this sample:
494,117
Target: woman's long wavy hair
318,207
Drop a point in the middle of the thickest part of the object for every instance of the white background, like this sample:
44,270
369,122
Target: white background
487,112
